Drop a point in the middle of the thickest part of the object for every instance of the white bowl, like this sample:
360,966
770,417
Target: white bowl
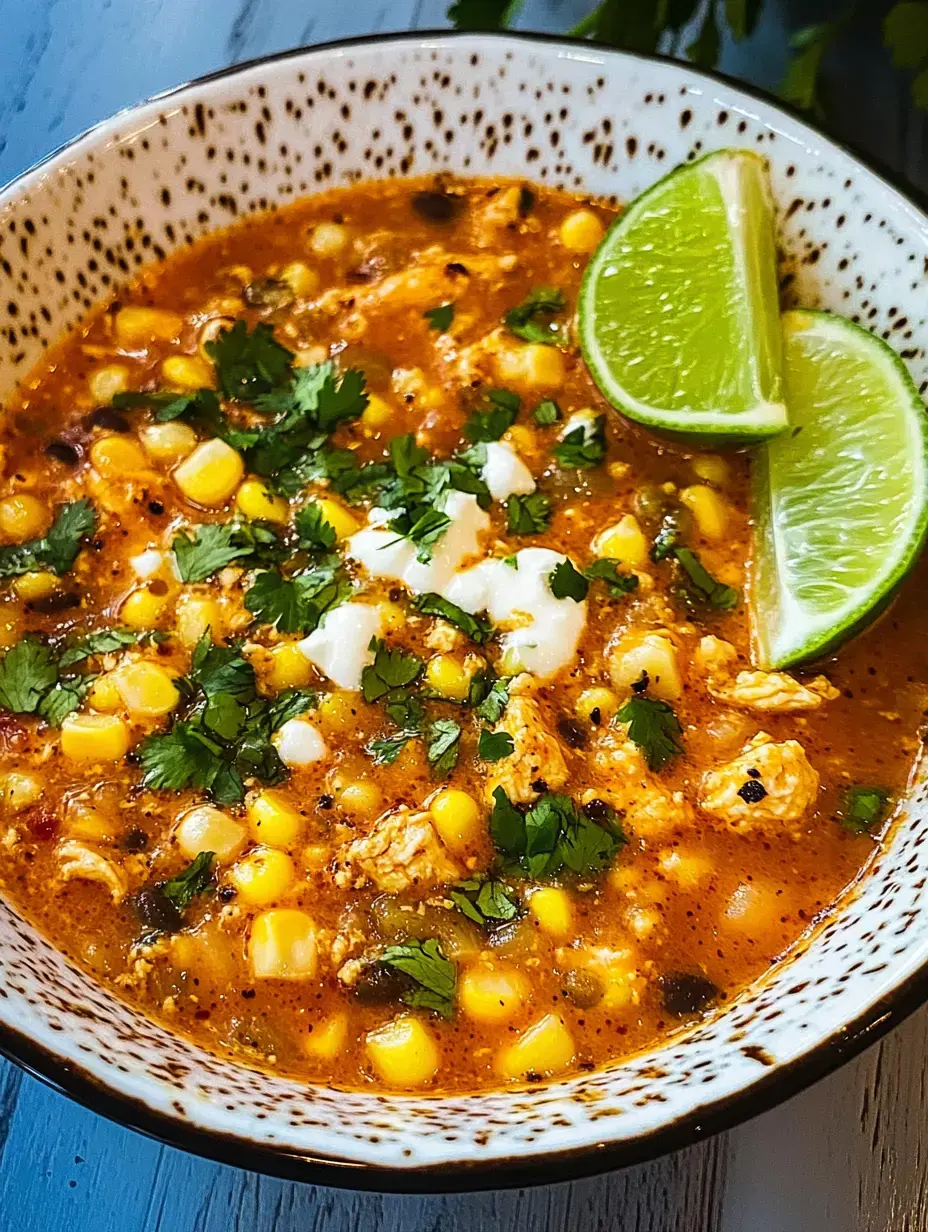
145,182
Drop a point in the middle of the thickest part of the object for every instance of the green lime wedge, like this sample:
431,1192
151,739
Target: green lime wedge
840,501
678,313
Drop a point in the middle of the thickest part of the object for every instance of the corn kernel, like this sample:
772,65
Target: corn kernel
392,616
94,737
361,799
687,869
327,1039
308,357
273,820
86,823
196,615
457,819
338,712
210,474
256,502
328,239
448,676
642,922
301,280
624,542
263,875
534,364
580,231
107,382
18,791
547,1047
282,945
187,372
552,909
521,438
143,608
377,414
288,668
709,510
23,517
146,689
753,909
653,654
342,521
403,1052
712,468
32,586
104,697
315,857
492,992
114,457
205,828
168,442
138,327
597,705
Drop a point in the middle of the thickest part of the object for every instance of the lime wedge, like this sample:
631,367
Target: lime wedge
678,313
840,501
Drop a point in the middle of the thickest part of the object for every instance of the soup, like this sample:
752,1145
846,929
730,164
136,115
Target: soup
377,703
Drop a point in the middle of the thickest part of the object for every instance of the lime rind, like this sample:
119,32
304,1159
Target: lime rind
841,501
695,251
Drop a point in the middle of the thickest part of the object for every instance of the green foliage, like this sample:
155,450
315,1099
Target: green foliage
554,834
432,978
58,548
530,319
654,727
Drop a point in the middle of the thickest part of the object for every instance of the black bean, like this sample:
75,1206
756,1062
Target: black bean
599,811
573,734
63,452
156,508
106,418
455,267
540,786
583,989
135,839
436,206
687,992
326,801
752,791
156,912
60,601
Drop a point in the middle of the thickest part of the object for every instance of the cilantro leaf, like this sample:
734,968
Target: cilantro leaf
425,531
539,303
64,698
716,594
387,749
289,705
491,708
490,424
618,584
546,413
195,879
249,364
477,628
665,540
487,902
654,727
203,550
433,977
495,745
297,604
528,515
217,669
391,669
27,671
582,447
862,808
589,843
440,318
101,641
507,825
314,533
58,548
554,834
444,738
182,757
567,583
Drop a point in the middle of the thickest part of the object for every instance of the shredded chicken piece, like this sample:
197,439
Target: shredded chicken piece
766,782
772,692
443,637
349,939
646,806
78,861
536,763
430,278
350,972
495,214
402,850
471,363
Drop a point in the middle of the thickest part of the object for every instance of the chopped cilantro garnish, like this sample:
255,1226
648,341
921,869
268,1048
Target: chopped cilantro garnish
567,583
64,698
554,834
584,446
249,364
862,808
194,880
433,978
440,318
618,584
654,727
297,604
27,671
98,642
206,549
477,628
490,424
528,515
491,707
546,413
488,903
387,749
314,533
391,669
523,320
495,745
665,540
444,738
425,531
58,548
715,594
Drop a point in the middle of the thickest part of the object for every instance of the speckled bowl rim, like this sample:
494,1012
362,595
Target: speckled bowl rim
716,1116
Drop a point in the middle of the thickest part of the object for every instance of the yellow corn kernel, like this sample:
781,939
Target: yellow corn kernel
138,327
687,869
360,799
338,712
256,502
288,668
205,828
642,922
106,383
18,791
210,474
187,372
456,816
580,231
104,697
624,542
448,676
328,239
23,516
307,357
84,822
301,280
753,909
377,414
547,1047
521,438
709,510
282,945
712,468
32,586
168,442
94,737
263,875
114,457
196,614
392,616
327,1039
142,608
342,521
273,820
402,1052
597,705
651,653
492,992
146,689
552,909
533,364
315,857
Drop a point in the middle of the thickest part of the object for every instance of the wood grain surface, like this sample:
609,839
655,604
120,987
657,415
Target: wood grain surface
849,1155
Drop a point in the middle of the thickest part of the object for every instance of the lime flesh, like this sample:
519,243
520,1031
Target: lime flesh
678,313
840,500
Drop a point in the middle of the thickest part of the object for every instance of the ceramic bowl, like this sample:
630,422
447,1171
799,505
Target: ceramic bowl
160,175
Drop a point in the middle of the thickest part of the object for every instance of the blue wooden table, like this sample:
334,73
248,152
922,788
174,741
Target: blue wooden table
849,1154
